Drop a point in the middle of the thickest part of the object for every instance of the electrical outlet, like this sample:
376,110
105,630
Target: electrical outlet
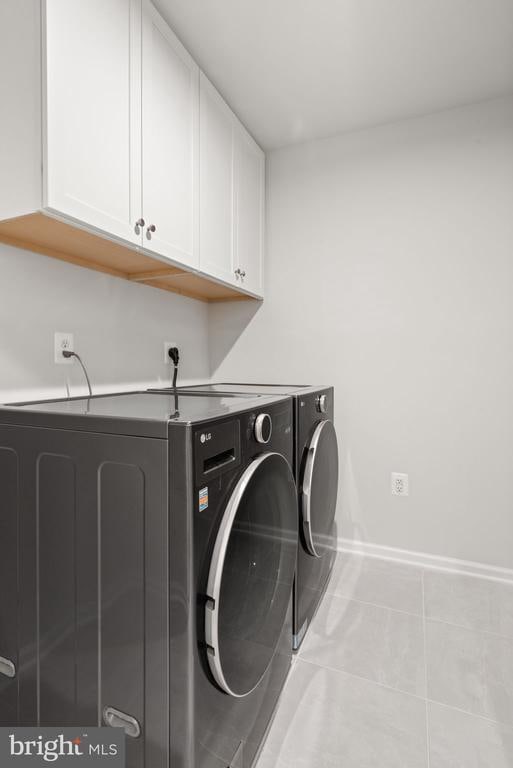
399,484
167,346
63,341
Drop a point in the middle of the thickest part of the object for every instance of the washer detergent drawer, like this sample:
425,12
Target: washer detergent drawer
217,450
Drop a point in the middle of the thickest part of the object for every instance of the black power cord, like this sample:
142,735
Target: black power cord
66,353
175,358
174,354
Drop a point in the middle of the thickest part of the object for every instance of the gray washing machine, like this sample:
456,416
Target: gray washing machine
316,474
147,554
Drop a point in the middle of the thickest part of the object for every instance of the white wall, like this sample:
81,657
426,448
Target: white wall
390,275
119,329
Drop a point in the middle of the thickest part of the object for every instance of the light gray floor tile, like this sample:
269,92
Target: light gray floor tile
268,760
458,740
381,582
330,719
470,602
369,630
376,643
470,670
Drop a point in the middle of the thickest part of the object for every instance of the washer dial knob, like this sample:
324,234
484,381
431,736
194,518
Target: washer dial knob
263,428
322,403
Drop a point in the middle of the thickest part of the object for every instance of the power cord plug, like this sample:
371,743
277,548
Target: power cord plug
174,354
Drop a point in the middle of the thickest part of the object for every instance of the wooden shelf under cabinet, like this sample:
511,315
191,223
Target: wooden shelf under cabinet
43,234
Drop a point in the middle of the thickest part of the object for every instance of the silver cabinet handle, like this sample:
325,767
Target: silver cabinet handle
243,274
138,224
151,228
117,719
7,668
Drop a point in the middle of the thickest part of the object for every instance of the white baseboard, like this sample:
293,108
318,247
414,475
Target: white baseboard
423,560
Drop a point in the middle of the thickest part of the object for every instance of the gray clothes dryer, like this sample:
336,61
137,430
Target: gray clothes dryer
316,474
147,554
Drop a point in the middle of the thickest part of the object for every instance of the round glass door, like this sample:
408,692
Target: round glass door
251,575
319,490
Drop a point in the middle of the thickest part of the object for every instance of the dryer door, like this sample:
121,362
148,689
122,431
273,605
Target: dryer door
319,489
251,575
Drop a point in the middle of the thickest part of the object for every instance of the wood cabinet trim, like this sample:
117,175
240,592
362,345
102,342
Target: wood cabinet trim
46,235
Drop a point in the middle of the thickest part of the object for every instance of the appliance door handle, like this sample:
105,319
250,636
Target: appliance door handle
117,719
7,668
306,495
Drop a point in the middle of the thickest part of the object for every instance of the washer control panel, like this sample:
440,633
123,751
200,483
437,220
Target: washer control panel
263,428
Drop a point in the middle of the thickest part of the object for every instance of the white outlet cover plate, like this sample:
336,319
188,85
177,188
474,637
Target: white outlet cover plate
399,484
63,341
167,346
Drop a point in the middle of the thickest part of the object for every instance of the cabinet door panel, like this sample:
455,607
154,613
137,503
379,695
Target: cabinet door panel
121,591
170,142
250,171
93,108
56,590
216,184
9,610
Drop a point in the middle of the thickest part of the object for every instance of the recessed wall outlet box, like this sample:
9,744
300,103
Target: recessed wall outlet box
62,342
399,484
167,346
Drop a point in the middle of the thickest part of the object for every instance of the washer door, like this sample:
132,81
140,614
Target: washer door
319,489
251,575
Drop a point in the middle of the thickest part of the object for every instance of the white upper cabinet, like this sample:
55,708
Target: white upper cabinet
249,210
92,166
170,142
232,168
117,154
216,184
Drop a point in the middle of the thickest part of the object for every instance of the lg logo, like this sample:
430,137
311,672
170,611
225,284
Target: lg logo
205,437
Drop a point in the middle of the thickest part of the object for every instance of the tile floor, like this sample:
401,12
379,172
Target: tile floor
401,668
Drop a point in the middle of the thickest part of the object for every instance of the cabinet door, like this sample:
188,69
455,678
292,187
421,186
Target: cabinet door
84,584
9,578
93,113
216,184
249,210
170,141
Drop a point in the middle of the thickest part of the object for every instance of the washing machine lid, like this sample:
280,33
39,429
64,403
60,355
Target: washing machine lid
251,575
319,489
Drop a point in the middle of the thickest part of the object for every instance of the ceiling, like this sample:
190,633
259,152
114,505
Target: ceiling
294,70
